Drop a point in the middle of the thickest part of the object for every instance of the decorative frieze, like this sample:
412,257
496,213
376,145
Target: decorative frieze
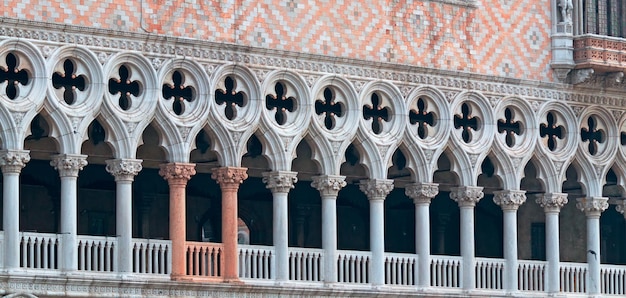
68,165
328,185
467,196
13,161
280,182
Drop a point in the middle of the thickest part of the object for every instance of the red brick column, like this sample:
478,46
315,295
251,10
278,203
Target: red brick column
177,175
229,179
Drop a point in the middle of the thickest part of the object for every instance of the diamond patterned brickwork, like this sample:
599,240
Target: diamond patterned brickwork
505,38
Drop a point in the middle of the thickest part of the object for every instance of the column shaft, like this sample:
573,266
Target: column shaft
552,252
329,237
177,176
124,171
552,204
509,201
281,236
593,208
467,197
377,241
376,191
12,162
124,225
11,219
329,187
467,247
229,179
422,243
510,250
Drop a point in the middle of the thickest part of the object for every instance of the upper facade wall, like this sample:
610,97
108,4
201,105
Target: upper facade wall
502,38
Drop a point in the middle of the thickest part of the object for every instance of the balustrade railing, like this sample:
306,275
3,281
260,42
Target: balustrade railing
400,269
445,271
573,277
305,264
531,275
613,280
39,250
97,253
152,256
489,273
256,261
204,258
353,266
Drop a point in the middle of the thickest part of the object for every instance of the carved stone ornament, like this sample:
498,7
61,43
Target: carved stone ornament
621,207
177,172
13,161
280,182
467,196
124,169
229,176
376,189
421,193
509,199
552,202
592,206
68,165
328,185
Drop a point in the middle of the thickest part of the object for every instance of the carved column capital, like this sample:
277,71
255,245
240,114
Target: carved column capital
592,206
620,206
328,185
229,177
376,189
68,165
421,193
177,173
466,196
509,199
13,161
124,169
280,182
552,202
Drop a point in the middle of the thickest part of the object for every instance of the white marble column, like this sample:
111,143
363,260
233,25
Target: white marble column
280,183
12,162
376,191
422,194
329,187
124,171
552,204
509,201
593,208
68,166
467,197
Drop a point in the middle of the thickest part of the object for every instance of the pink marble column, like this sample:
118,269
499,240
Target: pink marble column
229,179
177,175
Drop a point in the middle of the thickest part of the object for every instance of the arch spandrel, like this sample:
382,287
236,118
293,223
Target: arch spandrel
63,131
29,59
296,93
246,105
595,123
435,117
140,74
322,153
389,104
76,82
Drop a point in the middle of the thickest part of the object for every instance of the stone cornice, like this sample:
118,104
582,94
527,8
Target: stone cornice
154,46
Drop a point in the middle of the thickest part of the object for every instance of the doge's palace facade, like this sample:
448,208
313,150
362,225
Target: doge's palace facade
305,148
